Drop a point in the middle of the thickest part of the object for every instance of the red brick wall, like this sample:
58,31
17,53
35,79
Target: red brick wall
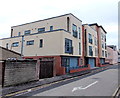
59,69
78,70
97,62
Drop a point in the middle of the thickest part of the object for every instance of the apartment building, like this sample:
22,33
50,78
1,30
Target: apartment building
112,57
102,49
62,41
57,38
90,46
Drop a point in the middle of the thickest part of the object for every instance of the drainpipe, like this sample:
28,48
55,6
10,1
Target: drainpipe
22,46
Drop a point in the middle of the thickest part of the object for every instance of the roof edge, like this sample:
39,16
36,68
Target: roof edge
47,19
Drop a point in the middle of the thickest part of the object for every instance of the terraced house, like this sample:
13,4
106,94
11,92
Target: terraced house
90,46
102,49
59,43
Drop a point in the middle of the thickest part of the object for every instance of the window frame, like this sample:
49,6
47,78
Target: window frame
90,40
68,46
31,42
15,44
41,43
51,28
27,32
40,30
74,30
90,51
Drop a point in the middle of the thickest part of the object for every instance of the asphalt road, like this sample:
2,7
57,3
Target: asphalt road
100,84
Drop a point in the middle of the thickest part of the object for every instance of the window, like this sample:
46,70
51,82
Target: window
19,33
102,36
68,23
90,38
27,32
30,42
102,52
90,51
102,45
105,38
105,46
96,52
51,28
79,33
15,44
41,43
74,29
95,41
105,53
68,46
7,46
79,48
65,62
41,29
11,32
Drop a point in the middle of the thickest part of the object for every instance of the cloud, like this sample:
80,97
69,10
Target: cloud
15,12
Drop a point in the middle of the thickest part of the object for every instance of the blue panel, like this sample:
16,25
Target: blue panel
92,62
102,61
73,62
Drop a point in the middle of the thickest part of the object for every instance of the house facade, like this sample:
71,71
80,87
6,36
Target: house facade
112,57
90,46
62,39
102,49
58,37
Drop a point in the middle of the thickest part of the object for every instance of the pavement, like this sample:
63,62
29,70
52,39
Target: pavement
9,91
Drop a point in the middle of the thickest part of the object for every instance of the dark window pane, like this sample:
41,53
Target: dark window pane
30,42
51,28
41,29
27,32
15,44
41,43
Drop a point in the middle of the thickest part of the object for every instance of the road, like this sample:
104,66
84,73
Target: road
100,84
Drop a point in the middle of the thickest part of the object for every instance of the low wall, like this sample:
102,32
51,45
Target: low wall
20,71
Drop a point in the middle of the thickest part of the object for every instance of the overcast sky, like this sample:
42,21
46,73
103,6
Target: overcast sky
103,12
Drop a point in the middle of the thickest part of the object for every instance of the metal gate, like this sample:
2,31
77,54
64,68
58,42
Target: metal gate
46,68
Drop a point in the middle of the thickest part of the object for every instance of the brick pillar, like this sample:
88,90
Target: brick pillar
59,69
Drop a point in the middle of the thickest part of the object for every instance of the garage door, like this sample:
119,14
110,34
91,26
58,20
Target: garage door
92,62
46,69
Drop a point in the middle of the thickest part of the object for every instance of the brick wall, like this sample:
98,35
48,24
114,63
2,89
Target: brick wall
21,71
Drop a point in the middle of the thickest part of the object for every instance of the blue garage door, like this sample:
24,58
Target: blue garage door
92,62
73,62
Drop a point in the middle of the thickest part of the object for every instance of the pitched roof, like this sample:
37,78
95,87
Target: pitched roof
10,50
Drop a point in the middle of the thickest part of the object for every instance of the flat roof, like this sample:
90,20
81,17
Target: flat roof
48,19
98,26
